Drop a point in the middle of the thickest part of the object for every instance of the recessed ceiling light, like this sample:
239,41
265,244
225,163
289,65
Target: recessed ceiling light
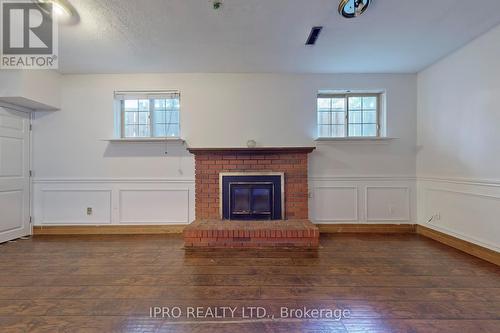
62,10
353,8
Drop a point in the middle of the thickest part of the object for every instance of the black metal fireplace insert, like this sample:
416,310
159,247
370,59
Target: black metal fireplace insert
246,196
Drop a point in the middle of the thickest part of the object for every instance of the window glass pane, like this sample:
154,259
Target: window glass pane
370,103
131,118
144,118
324,104
338,104
144,105
324,118
370,130
361,112
354,103
159,104
139,113
172,117
355,117
160,130
331,111
170,104
355,130
324,131
143,131
130,131
160,117
177,104
338,118
131,105
338,131
172,130
370,117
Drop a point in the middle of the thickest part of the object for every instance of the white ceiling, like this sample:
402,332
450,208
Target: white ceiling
394,36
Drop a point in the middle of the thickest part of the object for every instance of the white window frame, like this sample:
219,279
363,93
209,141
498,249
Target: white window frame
379,113
121,96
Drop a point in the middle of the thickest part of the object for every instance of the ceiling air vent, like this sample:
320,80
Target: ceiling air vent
313,36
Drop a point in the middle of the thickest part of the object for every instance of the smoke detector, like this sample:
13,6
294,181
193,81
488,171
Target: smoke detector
353,8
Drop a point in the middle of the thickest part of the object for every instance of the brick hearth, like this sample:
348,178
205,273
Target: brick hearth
210,230
217,233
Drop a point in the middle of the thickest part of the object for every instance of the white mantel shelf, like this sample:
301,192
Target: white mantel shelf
255,150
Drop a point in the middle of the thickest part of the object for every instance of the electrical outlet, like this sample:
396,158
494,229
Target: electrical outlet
89,210
435,217
310,195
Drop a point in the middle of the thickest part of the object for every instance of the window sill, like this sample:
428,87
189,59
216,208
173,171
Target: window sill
140,140
356,139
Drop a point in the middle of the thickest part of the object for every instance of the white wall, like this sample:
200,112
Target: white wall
458,162
217,110
41,86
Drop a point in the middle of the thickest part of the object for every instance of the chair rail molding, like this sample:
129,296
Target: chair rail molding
461,180
113,180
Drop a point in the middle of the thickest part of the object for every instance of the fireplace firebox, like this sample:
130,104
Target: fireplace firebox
252,196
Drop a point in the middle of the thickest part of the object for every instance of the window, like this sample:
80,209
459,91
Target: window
348,115
146,115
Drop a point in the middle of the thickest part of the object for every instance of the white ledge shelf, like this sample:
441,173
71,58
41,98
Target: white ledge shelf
356,139
144,140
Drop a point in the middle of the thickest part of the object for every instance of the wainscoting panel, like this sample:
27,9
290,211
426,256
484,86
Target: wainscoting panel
171,201
169,206
69,206
335,203
11,206
387,203
362,200
466,209
113,201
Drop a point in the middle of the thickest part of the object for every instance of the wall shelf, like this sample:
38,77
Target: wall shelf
356,139
25,104
145,140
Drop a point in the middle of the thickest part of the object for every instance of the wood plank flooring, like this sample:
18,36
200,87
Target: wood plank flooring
389,283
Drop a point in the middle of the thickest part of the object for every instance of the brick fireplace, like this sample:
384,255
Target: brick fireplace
214,228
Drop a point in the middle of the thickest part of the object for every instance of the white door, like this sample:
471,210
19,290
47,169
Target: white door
14,174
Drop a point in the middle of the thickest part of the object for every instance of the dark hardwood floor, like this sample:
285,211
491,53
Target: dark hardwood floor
388,283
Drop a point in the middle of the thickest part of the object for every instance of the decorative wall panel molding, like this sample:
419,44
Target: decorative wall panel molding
465,210
151,206
70,205
387,203
364,199
335,203
129,201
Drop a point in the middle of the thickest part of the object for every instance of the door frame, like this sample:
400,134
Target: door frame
30,117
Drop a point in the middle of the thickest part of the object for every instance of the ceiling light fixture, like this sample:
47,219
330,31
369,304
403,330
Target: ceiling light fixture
62,10
217,4
353,8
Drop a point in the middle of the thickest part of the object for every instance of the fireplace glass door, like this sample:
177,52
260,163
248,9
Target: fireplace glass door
251,201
